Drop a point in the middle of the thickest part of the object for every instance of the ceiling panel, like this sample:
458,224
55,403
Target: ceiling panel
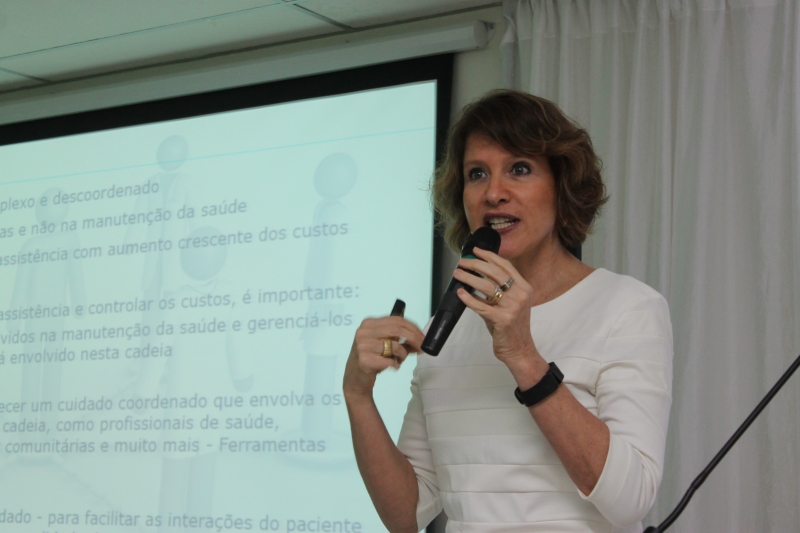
30,25
176,42
360,13
9,80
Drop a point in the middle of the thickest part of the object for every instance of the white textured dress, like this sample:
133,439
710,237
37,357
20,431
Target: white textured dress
479,454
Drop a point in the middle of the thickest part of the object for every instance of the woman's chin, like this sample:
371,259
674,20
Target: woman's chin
508,253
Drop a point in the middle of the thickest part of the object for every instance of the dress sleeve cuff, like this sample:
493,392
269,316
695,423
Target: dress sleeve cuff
426,512
606,492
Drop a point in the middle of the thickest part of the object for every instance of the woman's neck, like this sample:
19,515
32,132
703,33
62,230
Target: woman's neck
552,272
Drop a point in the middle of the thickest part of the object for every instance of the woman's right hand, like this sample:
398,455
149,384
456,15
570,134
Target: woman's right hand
366,359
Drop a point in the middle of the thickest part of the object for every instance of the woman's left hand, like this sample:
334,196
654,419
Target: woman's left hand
509,319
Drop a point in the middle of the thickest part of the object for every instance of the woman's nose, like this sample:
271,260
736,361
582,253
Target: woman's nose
496,191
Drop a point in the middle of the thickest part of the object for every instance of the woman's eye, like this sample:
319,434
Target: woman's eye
520,169
475,174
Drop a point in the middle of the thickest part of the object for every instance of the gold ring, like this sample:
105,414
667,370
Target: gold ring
387,348
507,285
494,298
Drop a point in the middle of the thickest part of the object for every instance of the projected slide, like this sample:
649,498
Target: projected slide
177,302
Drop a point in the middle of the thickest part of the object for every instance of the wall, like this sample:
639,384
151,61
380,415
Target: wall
479,71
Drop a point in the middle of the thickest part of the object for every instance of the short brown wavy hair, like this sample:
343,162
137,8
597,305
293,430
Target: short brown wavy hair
525,125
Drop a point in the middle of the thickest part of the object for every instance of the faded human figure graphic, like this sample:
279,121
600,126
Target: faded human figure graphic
54,284
204,361
161,270
335,177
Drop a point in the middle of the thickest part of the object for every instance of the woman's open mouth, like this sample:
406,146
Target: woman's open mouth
501,223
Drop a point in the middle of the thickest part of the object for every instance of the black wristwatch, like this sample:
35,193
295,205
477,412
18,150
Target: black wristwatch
546,386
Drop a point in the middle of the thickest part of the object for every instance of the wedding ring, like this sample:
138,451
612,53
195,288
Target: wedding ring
507,285
494,298
387,348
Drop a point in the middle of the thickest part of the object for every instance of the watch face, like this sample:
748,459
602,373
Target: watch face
546,386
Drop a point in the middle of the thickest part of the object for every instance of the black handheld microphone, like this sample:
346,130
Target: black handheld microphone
451,307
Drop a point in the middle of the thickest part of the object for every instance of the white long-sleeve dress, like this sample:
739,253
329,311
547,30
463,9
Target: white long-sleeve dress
479,454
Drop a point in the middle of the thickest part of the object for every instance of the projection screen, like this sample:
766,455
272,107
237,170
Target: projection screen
178,300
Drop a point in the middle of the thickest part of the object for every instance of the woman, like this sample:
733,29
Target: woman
587,454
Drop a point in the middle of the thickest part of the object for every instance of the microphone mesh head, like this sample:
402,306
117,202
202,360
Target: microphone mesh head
485,238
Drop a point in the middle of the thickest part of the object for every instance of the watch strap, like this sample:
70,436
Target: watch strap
546,386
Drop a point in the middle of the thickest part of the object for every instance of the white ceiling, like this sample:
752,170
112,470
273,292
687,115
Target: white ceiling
47,41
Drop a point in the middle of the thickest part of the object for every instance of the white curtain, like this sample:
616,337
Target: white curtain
694,107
